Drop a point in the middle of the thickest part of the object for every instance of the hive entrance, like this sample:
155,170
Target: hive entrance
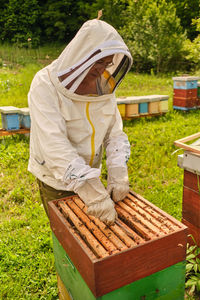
137,223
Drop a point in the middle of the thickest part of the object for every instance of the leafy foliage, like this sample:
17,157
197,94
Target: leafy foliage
187,10
21,22
154,35
193,269
193,47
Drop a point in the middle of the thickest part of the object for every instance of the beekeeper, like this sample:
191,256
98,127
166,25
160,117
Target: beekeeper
74,116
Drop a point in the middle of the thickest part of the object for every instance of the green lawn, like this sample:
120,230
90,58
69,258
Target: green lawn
26,257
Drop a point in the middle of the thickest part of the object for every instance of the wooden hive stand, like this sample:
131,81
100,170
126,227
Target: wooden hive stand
141,256
4,132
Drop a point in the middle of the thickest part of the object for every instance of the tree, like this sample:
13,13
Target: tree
187,10
20,22
154,35
112,11
192,48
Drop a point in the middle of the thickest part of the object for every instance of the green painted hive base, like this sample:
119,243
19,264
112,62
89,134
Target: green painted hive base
168,284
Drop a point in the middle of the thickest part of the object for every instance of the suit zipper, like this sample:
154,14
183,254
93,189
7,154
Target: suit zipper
92,136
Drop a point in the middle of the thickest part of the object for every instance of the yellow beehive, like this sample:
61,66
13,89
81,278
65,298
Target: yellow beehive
164,106
122,109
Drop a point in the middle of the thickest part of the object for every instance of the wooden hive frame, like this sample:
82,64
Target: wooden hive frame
111,257
182,143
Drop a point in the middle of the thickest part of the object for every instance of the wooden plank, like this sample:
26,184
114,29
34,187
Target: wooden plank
141,218
181,143
172,222
4,132
99,235
105,229
141,209
137,238
134,224
81,241
191,206
156,215
85,233
191,180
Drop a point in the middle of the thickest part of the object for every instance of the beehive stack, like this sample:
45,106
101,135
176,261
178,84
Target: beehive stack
136,106
185,93
190,162
117,260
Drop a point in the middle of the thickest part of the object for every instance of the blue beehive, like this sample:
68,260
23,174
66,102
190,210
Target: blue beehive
25,121
185,82
10,117
143,108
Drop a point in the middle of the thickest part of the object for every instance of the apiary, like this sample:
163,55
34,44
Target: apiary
145,245
185,92
136,106
10,117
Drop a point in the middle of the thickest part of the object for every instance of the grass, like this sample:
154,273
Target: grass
26,258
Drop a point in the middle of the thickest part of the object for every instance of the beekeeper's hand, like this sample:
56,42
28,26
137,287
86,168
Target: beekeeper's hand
97,200
118,183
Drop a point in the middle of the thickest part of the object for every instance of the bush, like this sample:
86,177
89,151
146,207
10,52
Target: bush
154,36
193,48
20,23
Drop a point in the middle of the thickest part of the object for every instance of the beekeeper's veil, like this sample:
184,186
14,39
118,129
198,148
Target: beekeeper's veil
95,40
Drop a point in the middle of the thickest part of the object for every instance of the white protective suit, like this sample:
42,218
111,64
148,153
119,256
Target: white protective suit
68,130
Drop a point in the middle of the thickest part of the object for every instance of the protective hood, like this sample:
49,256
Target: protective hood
94,41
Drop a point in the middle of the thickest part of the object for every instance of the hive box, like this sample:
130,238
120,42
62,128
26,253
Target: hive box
10,117
134,106
24,115
190,162
186,94
182,102
185,82
165,284
144,242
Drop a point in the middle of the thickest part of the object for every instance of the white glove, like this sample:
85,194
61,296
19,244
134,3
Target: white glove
98,201
118,183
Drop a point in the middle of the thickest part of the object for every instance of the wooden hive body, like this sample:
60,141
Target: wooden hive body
185,94
166,284
190,162
191,205
183,102
109,258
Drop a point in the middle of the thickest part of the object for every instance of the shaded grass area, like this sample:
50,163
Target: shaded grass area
26,257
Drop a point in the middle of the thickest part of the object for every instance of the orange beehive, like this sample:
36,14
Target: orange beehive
144,240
